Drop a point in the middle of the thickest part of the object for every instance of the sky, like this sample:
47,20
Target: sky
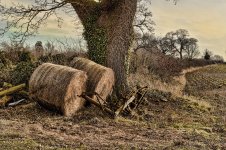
70,27
204,19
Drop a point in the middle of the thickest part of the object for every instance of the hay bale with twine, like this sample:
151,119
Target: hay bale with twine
58,88
100,79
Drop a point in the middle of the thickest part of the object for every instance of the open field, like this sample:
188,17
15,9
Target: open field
164,121
210,84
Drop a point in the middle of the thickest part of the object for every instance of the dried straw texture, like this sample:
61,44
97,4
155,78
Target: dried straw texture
58,88
100,79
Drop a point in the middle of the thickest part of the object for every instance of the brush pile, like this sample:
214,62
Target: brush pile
12,95
65,89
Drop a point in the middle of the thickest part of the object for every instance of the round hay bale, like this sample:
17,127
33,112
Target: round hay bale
58,88
100,79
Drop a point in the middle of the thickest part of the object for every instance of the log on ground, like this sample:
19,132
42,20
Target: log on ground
4,100
58,88
100,79
12,90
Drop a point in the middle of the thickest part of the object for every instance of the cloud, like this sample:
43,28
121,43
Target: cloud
70,27
203,19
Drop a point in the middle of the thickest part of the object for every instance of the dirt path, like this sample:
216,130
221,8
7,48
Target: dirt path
182,78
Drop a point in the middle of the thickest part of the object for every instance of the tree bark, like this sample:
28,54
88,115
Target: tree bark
116,22
181,55
181,51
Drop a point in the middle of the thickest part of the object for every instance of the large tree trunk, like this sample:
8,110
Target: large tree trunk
109,34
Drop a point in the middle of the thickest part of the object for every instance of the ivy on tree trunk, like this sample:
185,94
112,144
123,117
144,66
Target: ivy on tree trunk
109,34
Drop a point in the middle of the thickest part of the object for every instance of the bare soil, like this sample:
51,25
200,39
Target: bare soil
164,121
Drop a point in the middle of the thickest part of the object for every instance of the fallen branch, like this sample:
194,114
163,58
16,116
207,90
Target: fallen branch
97,104
12,90
99,97
4,100
23,93
7,85
120,109
129,101
16,103
123,107
140,100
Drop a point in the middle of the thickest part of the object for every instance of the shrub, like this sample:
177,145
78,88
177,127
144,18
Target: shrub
162,65
44,59
3,60
165,66
55,59
22,73
24,56
5,74
61,58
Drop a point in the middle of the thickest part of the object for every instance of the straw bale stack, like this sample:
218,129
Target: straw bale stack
58,88
100,79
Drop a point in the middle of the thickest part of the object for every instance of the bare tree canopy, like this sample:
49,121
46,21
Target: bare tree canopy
178,43
166,44
191,48
25,19
217,58
143,22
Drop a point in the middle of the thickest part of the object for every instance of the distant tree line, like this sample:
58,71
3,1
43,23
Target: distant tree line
177,43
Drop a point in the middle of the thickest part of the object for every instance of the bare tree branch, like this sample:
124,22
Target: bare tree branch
24,21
